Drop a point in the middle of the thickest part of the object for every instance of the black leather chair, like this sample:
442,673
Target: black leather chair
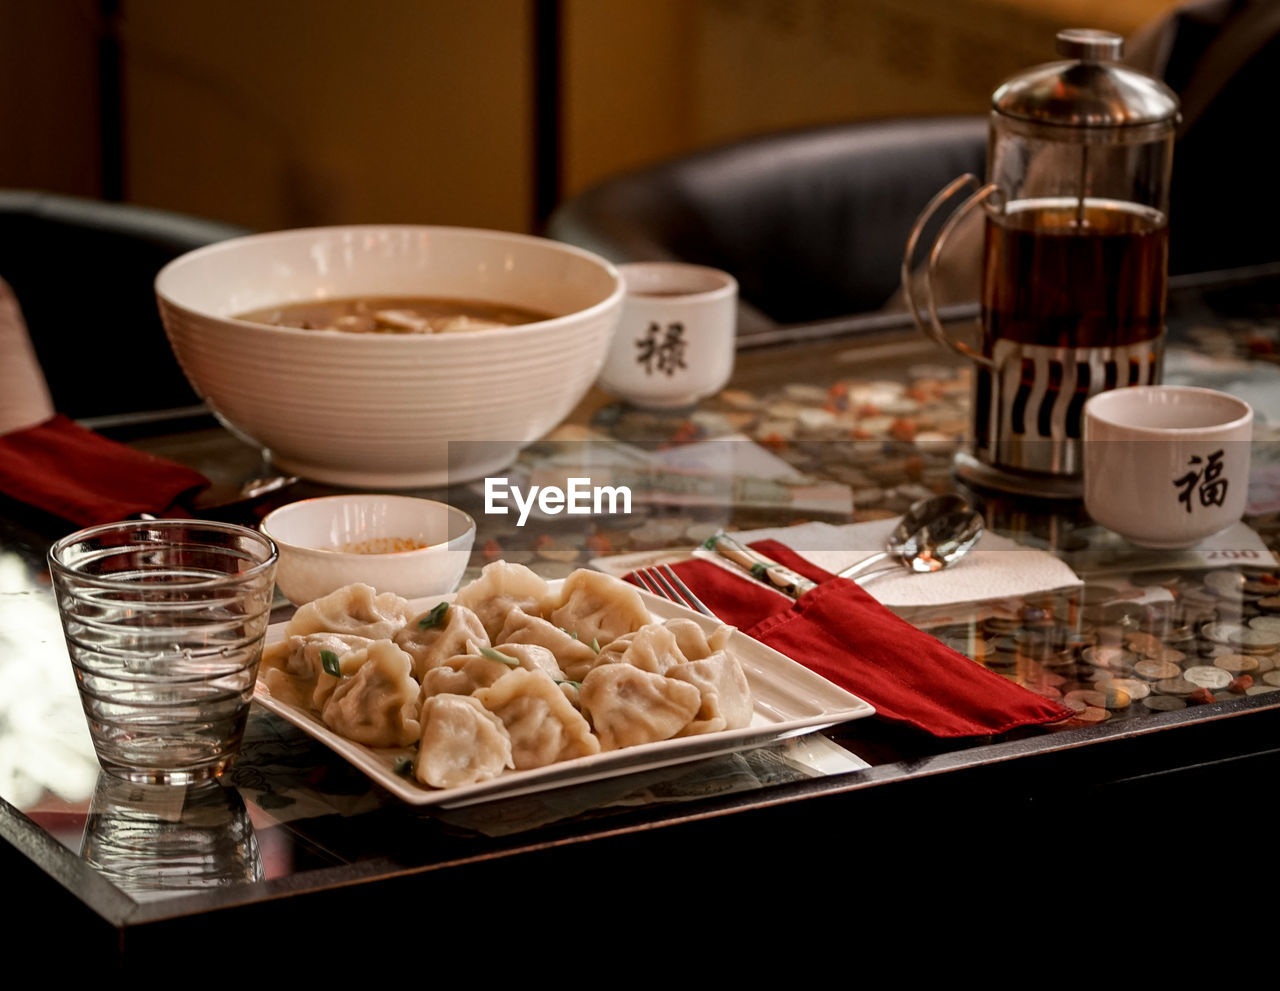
82,271
812,223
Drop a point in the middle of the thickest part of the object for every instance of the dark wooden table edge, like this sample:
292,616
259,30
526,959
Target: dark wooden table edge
983,789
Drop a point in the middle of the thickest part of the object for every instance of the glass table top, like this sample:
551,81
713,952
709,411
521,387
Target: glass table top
864,424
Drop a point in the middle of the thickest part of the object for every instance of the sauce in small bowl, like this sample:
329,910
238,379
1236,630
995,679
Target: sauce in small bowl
412,547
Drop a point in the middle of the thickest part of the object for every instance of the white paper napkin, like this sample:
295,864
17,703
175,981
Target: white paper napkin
996,567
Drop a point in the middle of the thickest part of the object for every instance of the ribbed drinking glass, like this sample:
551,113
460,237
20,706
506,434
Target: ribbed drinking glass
164,622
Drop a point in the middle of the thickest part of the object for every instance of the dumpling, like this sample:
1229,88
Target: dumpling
500,588
348,664
463,673
572,691
726,695
356,609
432,638
628,706
574,657
378,706
695,644
651,648
291,668
462,742
598,607
533,657
542,724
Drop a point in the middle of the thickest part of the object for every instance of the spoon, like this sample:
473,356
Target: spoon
222,502
248,491
938,545
933,534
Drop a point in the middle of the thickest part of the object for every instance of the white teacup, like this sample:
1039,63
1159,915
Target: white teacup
676,337
1166,465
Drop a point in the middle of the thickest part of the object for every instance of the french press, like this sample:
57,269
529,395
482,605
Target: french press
1075,259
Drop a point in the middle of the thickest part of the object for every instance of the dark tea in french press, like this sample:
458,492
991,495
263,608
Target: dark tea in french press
1075,256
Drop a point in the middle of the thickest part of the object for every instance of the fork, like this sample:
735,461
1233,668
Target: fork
666,584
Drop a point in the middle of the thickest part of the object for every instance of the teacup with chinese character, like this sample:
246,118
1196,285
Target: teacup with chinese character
675,340
1164,465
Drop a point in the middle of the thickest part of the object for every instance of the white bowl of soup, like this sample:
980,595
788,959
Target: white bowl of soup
392,356
395,543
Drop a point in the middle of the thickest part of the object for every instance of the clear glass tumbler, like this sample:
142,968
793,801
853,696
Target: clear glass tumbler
164,621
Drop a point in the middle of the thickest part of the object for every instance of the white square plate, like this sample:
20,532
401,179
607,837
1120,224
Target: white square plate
789,700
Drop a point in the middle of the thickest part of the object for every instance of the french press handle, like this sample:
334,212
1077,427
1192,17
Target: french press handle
929,321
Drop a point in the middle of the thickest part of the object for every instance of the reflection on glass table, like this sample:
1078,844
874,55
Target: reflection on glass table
1152,652
157,841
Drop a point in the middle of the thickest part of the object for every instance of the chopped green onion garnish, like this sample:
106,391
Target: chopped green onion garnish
403,765
434,618
331,664
498,656
595,645
575,684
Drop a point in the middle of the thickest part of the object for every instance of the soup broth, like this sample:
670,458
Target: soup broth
395,315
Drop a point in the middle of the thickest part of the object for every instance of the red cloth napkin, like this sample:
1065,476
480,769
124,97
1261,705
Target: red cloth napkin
849,638
64,469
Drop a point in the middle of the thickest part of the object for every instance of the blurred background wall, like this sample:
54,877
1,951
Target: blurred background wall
283,113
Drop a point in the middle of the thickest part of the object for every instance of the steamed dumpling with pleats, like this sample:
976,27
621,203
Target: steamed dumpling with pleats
356,609
500,588
657,647
574,657
438,634
463,673
292,667
533,657
462,743
343,665
628,706
541,723
481,665
572,690
693,641
726,696
598,607
653,648
378,706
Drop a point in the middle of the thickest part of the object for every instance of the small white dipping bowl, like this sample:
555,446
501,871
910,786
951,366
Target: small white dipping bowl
380,411
413,547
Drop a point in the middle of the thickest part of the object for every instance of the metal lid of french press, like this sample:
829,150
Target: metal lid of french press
1091,90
